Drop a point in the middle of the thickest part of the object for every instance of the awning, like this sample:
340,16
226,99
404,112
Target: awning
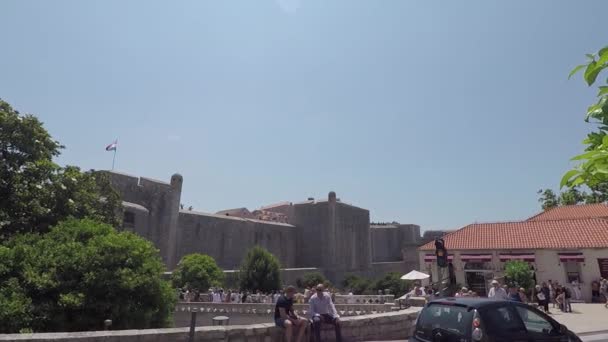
529,257
476,257
572,256
433,257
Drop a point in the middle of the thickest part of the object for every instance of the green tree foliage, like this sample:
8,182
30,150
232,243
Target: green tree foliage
547,199
197,271
519,274
312,279
35,193
79,274
357,284
592,169
392,281
597,193
260,271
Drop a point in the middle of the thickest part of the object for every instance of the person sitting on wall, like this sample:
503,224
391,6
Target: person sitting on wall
323,310
285,317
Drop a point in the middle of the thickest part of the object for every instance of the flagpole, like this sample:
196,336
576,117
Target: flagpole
113,159
115,149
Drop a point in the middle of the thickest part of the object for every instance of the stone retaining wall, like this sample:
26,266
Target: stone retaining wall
386,326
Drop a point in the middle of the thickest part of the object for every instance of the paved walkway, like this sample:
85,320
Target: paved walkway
585,318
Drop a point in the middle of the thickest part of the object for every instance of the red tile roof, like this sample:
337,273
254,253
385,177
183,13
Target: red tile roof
561,234
570,212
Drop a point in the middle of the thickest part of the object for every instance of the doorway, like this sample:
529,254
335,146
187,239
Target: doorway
477,282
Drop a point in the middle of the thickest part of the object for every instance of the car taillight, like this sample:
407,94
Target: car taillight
476,323
476,333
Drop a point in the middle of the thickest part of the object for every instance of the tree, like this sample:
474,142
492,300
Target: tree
79,274
312,279
519,274
547,199
393,282
260,271
35,193
358,285
592,169
197,271
572,196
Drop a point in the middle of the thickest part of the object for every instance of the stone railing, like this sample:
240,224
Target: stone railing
268,309
397,325
340,299
362,299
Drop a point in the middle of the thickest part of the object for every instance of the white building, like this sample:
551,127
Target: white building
564,244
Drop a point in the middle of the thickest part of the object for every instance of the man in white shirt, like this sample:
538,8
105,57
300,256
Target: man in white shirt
323,310
497,292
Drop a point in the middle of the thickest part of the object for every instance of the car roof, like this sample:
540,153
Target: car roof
470,302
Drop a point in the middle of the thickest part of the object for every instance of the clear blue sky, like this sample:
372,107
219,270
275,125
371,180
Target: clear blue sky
438,113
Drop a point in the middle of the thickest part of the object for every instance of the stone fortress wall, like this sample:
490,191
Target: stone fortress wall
328,235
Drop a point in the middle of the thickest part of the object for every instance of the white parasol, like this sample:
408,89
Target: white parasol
415,275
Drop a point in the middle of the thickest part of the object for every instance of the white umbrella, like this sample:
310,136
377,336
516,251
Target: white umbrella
415,275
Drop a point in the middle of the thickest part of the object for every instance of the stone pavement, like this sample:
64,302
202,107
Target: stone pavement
585,318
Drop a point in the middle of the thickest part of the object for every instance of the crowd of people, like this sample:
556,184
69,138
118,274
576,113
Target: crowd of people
549,293
218,295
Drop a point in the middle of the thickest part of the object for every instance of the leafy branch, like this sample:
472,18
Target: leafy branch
593,163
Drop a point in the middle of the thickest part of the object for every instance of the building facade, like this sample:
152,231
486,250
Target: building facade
568,246
329,235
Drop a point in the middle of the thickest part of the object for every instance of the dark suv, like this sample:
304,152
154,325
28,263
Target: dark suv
481,319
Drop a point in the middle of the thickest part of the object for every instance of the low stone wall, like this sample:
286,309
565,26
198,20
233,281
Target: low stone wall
386,326
250,313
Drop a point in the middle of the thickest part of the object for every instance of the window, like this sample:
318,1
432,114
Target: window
534,322
128,221
573,271
450,318
501,321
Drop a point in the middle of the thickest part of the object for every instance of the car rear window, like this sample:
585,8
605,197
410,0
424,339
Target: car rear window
448,318
501,321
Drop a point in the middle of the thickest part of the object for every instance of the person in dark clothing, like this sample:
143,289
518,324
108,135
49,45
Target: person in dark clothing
567,303
547,297
514,294
285,317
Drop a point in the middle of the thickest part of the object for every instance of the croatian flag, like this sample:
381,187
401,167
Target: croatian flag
112,146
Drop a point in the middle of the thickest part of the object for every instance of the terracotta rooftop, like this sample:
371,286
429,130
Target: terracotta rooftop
570,212
556,234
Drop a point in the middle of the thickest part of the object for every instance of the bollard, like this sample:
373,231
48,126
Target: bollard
192,326
107,324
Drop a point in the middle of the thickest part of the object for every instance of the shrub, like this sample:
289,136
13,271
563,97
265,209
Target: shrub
357,284
197,271
260,271
519,274
79,274
313,279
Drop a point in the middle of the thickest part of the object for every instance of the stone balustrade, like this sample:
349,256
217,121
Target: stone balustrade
339,299
395,325
268,309
364,299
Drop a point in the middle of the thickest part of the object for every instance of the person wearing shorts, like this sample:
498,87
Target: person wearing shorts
286,318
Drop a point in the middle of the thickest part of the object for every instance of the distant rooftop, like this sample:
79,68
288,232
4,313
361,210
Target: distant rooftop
569,212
